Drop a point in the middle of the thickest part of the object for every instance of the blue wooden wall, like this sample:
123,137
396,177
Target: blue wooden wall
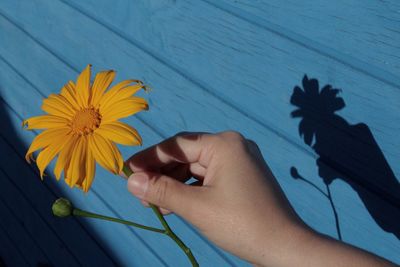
213,65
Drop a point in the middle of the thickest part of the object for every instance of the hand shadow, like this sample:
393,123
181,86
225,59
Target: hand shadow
347,152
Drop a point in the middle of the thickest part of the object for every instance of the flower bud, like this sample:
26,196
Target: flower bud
62,207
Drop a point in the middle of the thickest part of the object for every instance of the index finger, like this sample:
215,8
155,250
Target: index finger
182,148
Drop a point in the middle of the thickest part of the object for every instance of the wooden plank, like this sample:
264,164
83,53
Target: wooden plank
19,237
189,94
10,255
362,34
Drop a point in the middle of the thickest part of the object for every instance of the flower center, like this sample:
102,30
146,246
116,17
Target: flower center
86,121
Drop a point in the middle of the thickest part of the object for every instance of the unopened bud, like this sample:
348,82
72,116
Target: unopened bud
62,207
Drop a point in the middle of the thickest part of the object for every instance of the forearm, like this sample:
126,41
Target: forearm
329,252
308,248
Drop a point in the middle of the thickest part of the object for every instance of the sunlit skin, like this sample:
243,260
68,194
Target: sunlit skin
82,127
238,204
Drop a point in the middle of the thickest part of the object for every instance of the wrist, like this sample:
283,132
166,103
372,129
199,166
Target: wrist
305,247
288,247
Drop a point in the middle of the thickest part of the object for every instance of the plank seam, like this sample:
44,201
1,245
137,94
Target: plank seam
16,217
347,60
14,245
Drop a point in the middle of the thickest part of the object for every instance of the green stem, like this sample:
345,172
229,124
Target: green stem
168,231
173,236
83,213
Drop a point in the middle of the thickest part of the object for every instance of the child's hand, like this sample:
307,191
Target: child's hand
239,206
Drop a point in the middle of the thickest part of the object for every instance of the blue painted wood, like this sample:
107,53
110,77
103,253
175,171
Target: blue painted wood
10,252
215,67
362,34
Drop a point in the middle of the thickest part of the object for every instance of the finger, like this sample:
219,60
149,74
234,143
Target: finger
183,148
163,191
197,170
162,210
165,211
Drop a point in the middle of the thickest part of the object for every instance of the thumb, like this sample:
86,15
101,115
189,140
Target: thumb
162,191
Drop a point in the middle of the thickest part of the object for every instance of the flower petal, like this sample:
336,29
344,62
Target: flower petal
44,122
76,169
101,83
83,87
125,108
57,105
121,94
68,91
106,153
90,171
47,154
44,139
115,89
65,156
120,133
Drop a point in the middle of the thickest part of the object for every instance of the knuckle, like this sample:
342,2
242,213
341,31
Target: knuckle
161,190
233,135
233,140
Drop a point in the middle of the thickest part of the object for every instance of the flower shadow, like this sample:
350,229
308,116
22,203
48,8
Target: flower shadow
347,152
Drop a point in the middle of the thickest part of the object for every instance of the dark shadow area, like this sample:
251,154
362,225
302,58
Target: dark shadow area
35,235
347,152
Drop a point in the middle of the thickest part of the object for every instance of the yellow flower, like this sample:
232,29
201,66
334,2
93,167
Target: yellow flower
82,127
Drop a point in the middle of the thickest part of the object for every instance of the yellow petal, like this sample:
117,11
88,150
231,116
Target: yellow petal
83,87
121,94
76,168
57,105
65,156
100,85
47,154
68,91
44,122
44,139
125,108
120,133
115,89
118,158
90,171
106,153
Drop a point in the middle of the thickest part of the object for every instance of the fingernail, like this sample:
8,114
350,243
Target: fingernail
137,184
